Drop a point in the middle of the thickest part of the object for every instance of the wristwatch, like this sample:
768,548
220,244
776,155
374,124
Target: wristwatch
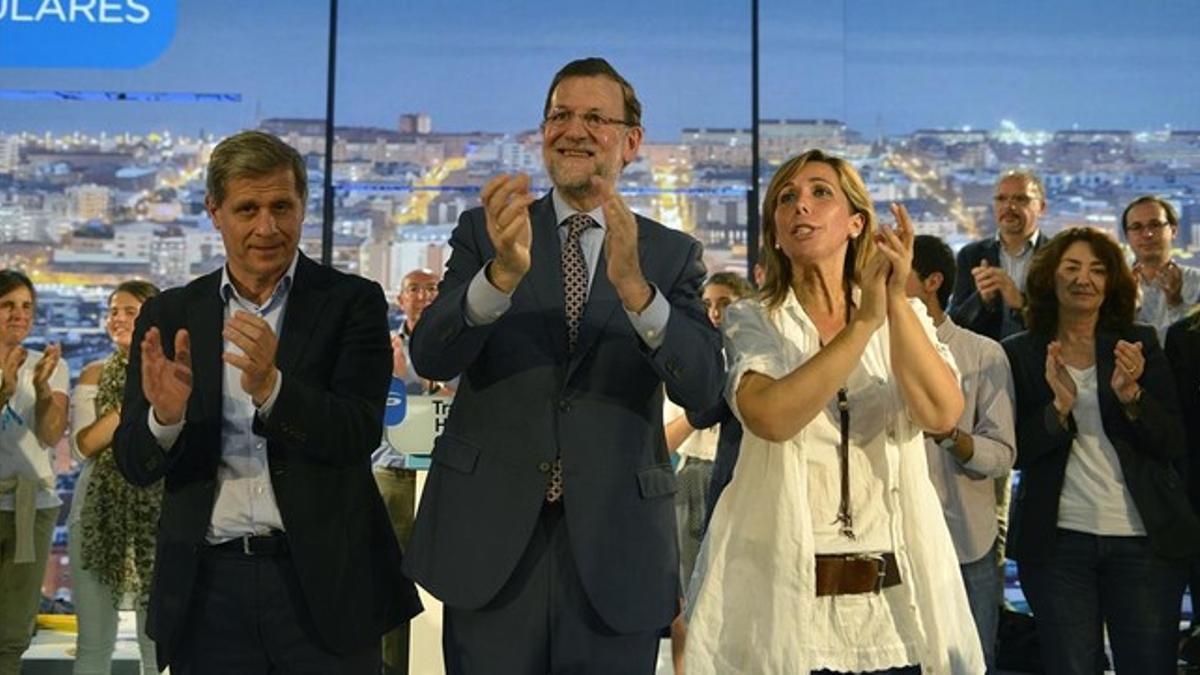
949,442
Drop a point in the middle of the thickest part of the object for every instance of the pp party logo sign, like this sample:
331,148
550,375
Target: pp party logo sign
84,33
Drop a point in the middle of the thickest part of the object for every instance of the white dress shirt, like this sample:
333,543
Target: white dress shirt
245,500
1156,311
967,489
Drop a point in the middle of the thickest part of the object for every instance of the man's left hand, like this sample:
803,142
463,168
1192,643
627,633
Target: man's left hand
621,248
996,280
257,362
1170,278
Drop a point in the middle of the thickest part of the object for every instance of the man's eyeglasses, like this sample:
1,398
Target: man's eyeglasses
1018,200
1148,226
592,120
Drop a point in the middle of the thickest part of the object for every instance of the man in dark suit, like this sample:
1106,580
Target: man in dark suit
989,287
547,522
257,395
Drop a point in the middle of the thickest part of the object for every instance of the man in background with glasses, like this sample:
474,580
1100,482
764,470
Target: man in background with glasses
396,479
989,288
1167,289
547,525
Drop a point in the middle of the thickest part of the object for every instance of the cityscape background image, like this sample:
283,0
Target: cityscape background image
102,171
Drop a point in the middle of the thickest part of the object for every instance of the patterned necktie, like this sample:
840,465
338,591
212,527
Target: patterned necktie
574,273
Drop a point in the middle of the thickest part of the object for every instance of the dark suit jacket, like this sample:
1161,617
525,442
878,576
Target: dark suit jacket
1146,448
335,358
523,399
729,445
967,308
1183,353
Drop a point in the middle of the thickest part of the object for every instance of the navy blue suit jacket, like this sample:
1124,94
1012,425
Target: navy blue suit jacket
523,399
967,308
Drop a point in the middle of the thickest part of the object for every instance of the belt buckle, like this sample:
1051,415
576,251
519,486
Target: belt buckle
246,545
882,563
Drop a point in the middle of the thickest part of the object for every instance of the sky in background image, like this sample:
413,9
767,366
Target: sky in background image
882,67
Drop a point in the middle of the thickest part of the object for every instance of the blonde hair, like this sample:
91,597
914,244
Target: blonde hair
777,268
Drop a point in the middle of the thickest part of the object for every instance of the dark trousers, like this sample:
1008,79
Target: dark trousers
1089,581
541,621
398,487
248,616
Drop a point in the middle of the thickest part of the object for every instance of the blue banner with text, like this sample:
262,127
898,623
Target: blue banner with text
84,33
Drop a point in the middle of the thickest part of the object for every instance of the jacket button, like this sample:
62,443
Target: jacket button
544,467
564,406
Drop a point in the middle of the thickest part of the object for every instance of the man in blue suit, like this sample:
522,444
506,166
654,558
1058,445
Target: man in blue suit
547,522
989,288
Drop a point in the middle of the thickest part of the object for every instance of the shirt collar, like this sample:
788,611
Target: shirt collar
946,328
563,210
229,291
792,304
1030,243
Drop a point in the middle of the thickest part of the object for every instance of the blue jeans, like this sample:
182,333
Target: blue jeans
984,591
1089,581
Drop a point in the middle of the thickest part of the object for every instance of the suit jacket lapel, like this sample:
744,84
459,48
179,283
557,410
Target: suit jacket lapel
1106,342
305,302
205,320
544,280
992,254
602,302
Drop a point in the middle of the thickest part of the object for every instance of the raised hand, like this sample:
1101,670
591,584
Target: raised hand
896,244
984,281
621,248
43,369
11,368
992,281
167,383
506,199
399,360
1130,363
254,336
1170,279
873,304
1059,380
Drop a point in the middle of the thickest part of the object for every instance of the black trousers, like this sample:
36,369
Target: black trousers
248,616
541,621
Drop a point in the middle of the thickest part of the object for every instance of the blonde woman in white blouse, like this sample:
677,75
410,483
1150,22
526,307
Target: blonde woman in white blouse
828,550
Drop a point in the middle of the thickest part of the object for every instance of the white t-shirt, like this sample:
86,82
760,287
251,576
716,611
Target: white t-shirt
700,444
1094,498
21,454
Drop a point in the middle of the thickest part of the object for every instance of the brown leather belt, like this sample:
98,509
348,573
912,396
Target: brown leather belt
856,573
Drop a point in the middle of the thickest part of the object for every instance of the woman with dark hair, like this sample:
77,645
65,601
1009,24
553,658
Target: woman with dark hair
828,550
33,415
112,523
1101,524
